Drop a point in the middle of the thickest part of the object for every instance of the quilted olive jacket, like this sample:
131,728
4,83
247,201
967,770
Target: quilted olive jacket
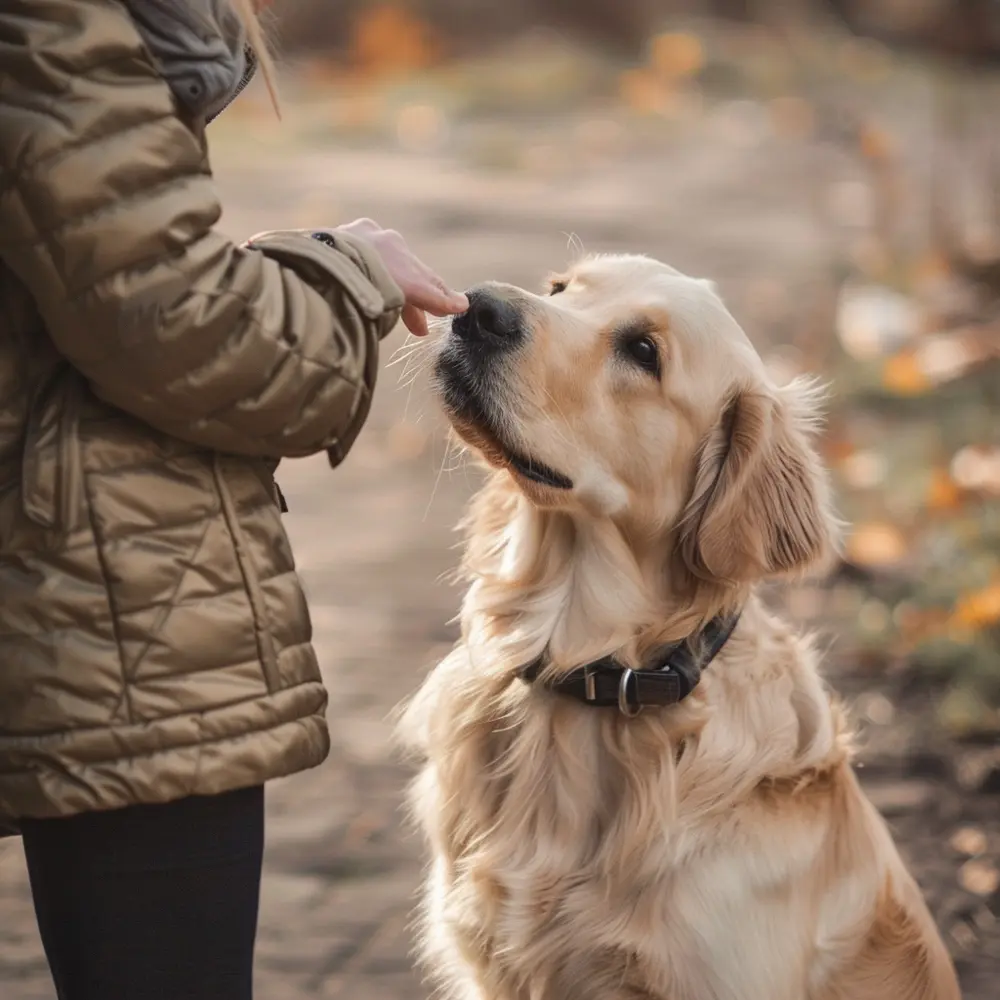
154,639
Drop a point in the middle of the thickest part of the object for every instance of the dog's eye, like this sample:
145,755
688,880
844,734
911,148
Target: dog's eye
557,286
642,350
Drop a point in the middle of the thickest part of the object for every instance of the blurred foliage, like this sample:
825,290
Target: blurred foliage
915,434
968,29
914,437
963,29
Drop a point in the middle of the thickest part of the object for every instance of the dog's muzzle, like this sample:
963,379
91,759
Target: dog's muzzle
491,324
470,367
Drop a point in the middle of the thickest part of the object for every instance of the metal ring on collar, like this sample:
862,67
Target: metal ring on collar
628,710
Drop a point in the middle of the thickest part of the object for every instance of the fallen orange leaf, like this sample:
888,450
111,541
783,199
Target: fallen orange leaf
642,92
943,494
875,143
903,375
837,447
979,608
925,624
389,40
876,543
676,55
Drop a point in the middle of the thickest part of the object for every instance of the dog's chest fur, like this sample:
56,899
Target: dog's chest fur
579,855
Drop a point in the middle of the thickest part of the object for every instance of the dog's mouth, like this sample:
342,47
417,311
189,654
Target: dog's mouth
481,433
538,472
471,419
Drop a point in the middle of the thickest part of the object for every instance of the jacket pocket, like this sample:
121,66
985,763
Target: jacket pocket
266,650
51,466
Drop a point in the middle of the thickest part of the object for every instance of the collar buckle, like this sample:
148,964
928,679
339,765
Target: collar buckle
629,709
639,689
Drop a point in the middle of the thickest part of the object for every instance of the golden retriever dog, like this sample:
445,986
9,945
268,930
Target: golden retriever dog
634,783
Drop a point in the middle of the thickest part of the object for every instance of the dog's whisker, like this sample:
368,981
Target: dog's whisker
405,350
457,458
408,378
409,341
400,358
415,368
418,348
574,243
411,378
437,483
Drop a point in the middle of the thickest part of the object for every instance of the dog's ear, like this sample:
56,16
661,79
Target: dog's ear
761,502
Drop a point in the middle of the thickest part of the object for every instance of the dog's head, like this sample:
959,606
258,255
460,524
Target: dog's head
629,392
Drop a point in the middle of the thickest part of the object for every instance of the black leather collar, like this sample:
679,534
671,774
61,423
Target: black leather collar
673,673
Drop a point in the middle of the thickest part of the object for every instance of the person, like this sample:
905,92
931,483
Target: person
155,659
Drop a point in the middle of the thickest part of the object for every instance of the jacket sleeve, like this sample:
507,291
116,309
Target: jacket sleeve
107,209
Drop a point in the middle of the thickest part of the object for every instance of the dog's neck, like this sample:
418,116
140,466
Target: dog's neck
575,588
542,581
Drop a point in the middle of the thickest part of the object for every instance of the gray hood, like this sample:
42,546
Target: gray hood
199,47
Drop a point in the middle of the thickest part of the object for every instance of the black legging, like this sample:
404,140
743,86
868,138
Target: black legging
151,902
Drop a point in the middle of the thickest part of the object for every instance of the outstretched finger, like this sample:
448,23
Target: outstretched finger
438,299
414,320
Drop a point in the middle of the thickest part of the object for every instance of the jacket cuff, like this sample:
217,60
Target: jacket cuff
368,260
353,264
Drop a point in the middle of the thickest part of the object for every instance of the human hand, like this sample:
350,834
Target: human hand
425,292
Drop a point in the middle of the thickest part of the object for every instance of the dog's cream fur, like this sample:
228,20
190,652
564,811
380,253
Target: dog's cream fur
717,850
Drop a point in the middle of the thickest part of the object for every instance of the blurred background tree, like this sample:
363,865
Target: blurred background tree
965,29
919,373
909,326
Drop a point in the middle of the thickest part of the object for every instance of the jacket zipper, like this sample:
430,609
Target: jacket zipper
248,75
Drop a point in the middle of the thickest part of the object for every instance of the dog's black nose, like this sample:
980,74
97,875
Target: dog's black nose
490,321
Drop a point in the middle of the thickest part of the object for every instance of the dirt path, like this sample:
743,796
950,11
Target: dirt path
374,539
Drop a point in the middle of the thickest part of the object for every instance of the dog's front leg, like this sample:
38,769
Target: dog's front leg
902,958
